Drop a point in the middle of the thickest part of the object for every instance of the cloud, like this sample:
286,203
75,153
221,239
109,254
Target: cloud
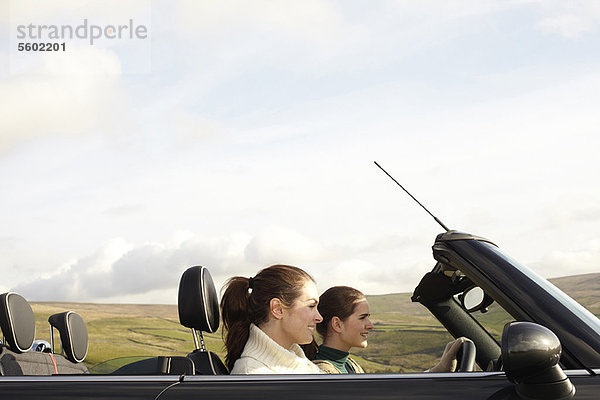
4,13
120,270
261,40
570,210
572,19
75,92
313,20
124,210
85,279
6,241
276,245
64,9
188,128
582,258
70,95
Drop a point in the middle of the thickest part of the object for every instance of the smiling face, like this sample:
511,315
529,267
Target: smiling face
299,321
355,329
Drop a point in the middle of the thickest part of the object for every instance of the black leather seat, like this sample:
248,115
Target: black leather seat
161,365
198,306
16,358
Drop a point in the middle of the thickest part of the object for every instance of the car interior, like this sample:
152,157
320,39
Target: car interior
17,356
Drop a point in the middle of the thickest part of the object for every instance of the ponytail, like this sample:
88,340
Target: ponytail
236,318
247,301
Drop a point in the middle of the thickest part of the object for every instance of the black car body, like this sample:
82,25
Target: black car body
552,352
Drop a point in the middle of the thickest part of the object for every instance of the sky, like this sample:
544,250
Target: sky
240,134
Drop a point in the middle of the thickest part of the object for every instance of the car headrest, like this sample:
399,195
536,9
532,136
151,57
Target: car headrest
197,300
73,334
17,322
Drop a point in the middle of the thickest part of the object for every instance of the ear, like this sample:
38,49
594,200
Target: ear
337,325
276,308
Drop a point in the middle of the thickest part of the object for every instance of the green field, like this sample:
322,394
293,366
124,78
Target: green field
406,337
119,330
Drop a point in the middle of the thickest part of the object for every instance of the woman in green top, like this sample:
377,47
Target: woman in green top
346,324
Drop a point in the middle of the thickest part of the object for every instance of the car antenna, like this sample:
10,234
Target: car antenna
413,197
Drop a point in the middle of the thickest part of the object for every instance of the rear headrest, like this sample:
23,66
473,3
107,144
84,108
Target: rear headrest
73,334
17,322
197,301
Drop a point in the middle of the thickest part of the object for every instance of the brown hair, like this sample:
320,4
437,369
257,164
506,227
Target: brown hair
337,301
243,304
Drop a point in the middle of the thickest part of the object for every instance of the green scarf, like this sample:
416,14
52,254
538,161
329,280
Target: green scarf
338,358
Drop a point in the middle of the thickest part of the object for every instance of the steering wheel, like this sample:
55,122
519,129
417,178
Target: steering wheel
466,357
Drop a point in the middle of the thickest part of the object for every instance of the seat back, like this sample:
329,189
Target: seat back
207,363
37,363
198,306
161,365
18,326
17,322
73,335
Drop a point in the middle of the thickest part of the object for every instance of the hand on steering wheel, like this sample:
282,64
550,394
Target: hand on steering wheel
450,362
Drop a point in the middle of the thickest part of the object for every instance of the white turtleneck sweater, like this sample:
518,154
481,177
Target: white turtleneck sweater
262,355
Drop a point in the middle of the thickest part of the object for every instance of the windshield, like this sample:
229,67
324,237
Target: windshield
111,366
576,308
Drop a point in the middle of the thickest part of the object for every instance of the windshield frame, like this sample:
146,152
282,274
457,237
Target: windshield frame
524,294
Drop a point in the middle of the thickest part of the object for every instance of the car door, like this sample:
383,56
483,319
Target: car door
76,387
364,386
467,386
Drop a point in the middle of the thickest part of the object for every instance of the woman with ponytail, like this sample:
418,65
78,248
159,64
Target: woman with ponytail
266,317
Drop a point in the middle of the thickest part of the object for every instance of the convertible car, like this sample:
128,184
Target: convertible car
551,349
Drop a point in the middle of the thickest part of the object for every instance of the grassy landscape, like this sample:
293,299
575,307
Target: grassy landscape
406,337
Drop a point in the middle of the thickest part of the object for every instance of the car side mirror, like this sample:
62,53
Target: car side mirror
530,354
474,299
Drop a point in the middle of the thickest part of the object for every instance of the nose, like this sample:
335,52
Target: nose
369,325
318,317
